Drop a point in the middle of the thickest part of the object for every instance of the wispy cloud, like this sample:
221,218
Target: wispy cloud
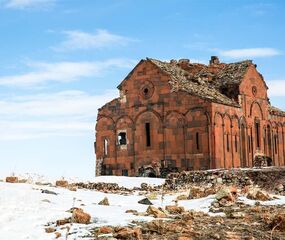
276,88
78,40
42,72
67,113
28,4
249,53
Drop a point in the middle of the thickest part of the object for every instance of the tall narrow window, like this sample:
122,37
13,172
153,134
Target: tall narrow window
147,134
275,143
197,141
249,144
257,134
105,147
236,143
228,144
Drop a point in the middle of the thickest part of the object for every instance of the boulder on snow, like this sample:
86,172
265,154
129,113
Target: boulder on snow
182,197
227,193
79,216
145,201
50,230
61,183
196,192
104,201
257,194
174,209
62,221
48,192
157,213
105,230
12,179
128,233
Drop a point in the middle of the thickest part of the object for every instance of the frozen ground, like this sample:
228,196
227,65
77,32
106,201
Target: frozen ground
25,210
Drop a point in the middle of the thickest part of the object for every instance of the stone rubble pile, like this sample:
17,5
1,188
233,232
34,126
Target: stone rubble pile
272,178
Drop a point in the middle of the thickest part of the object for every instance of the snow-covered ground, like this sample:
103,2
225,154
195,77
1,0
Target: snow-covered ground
25,211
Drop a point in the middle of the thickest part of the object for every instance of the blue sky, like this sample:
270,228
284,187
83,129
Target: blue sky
60,60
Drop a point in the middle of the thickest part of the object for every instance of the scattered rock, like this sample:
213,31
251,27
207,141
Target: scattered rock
144,186
12,179
157,213
128,233
226,193
174,209
104,201
79,216
196,192
48,192
23,181
61,183
279,187
57,235
257,194
63,221
278,222
50,230
184,238
105,230
145,201
135,212
152,196
72,188
182,197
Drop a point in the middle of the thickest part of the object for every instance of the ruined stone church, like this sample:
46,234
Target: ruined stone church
179,115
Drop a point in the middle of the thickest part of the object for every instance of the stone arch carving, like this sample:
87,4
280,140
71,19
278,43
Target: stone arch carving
174,140
255,103
126,117
217,116
197,138
107,129
149,139
150,110
219,140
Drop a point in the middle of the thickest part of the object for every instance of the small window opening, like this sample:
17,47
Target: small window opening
228,144
197,141
236,144
249,145
106,147
122,138
257,134
147,134
275,143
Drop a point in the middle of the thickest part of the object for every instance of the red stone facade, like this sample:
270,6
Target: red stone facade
188,116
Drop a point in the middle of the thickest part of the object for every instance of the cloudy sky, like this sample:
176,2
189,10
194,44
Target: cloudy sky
60,60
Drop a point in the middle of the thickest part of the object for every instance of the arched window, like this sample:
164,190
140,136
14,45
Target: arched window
106,146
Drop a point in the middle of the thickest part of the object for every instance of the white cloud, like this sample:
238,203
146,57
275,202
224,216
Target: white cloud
276,88
27,4
67,113
76,40
249,53
43,72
